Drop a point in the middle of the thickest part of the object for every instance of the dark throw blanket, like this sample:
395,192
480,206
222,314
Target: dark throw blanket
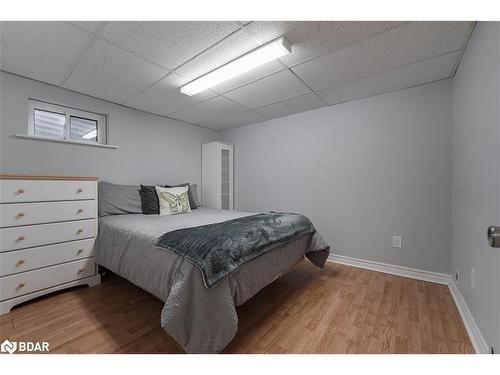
218,249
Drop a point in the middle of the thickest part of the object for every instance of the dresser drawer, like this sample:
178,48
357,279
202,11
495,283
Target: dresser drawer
31,281
15,238
14,191
14,214
12,262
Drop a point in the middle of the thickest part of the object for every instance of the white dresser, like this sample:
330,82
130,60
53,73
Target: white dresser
217,175
48,226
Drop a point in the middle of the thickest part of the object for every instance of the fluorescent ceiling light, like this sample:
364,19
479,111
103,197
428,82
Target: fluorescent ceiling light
249,61
91,134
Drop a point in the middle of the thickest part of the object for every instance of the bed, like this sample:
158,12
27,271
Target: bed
200,319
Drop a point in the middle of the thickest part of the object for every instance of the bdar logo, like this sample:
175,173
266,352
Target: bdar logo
8,347
24,346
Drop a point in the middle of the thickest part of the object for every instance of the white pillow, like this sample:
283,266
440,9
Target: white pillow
173,201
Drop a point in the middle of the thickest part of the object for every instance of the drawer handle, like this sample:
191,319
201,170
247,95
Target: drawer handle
20,214
79,231
81,270
21,238
79,191
79,211
19,191
79,251
21,285
20,262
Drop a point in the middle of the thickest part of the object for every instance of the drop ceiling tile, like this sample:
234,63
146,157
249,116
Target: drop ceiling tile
167,43
165,97
227,50
234,121
271,89
290,106
45,51
209,111
399,78
311,38
401,46
107,71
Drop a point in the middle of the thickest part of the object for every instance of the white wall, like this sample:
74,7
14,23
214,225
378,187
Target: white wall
153,149
362,171
476,188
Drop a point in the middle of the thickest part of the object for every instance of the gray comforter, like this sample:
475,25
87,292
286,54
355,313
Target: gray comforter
200,319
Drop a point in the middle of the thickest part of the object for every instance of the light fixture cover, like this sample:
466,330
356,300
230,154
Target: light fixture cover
259,56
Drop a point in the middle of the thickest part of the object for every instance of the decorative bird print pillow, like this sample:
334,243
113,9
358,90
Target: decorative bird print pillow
173,201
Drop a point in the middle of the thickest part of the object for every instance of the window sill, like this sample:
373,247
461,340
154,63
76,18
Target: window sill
74,142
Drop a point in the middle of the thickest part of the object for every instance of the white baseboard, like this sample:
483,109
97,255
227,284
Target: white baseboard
479,343
475,335
412,273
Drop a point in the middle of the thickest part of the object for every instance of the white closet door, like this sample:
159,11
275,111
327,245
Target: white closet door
217,175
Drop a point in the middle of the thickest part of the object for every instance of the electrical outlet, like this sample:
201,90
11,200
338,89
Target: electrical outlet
457,276
472,278
396,241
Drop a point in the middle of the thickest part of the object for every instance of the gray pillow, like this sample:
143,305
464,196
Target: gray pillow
118,199
194,192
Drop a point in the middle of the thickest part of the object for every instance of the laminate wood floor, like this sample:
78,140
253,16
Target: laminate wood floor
339,309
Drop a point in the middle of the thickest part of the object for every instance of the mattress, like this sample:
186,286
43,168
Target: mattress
200,319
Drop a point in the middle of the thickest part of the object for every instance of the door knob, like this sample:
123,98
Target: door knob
494,236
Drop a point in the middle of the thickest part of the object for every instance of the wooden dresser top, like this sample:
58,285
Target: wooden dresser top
35,177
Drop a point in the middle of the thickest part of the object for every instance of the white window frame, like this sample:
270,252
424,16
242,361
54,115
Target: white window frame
101,119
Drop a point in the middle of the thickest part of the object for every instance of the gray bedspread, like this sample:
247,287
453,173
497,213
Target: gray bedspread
200,319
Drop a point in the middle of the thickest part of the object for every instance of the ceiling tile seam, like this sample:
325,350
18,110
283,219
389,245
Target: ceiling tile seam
141,91
79,58
235,102
243,25
306,85
459,59
388,70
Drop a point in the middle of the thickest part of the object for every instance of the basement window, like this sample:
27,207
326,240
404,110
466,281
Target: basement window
56,122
